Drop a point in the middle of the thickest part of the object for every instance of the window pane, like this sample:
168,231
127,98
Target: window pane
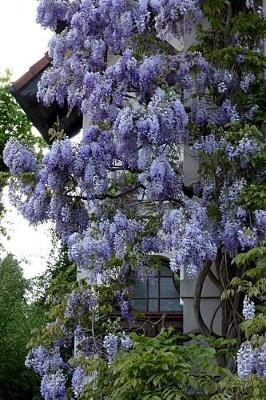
168,288
172,305
153,287
140,305
140,290
153,305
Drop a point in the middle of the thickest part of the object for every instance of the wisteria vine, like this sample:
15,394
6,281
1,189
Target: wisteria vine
119,194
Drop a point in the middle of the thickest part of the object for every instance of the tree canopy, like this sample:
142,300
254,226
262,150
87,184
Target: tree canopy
16,381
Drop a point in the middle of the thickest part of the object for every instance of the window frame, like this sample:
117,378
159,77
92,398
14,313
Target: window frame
159,275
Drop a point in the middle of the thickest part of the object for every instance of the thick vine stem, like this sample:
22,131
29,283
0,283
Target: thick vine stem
197,299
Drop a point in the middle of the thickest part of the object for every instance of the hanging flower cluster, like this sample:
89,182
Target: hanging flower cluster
250,360
112,343
49,365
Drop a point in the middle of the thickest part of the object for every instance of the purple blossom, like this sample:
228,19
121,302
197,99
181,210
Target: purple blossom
245,148
44,361
143,108
35,210
250,114
248,308
59,157
151,245
78,381
240,59
230,193
250,4
208,144
81,249
241,214
49,12
224,80
245,360
126,342
80,302
260,219
125,136
19,158
111,344
246,81
199,112
124,304
164,122
160,181
72,303
85,343
208,190
230,238
125,308
175,16
247,238
188,234
53,387
261,361
225,114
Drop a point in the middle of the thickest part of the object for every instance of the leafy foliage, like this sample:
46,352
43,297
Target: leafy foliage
16,381
234,388
158,368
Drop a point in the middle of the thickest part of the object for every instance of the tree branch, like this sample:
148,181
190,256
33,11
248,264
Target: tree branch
111,196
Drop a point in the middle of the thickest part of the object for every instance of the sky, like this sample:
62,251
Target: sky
22,40
22,43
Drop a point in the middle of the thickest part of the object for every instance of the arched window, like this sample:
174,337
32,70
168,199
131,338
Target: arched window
159,293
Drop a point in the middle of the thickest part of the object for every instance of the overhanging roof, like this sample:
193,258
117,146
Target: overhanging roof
25,90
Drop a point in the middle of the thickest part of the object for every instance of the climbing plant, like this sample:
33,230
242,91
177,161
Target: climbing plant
120,194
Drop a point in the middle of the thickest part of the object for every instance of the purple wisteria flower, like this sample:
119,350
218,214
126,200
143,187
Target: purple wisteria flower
240,59
53,387
59,157
245,148
50,12
80,302
125,309
247,238
161,181
111,345
260,219
247,80
175,16
245,360
78,381
126,342
19,158
250,4
208,144
44,361
248,308
229,237
261,361
188,234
